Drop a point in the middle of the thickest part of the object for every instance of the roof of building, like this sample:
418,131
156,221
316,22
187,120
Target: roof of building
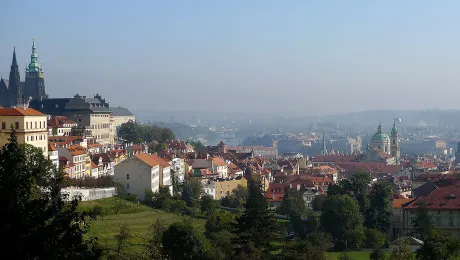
51,147
411,240
19,112
424,190
200,164
441,198
121,111
76,149
147,159
59,121
219,161
334,158
93,165
398,203
380,136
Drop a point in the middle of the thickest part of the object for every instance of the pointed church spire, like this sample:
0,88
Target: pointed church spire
34,65
394,130
14,62
379,131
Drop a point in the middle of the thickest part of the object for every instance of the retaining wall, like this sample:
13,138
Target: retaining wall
89,194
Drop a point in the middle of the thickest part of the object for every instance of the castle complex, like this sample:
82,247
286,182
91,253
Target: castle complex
13,92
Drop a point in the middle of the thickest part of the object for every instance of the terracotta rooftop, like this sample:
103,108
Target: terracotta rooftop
398,203
60,121
441,198
20,112
77,149
334,158
218,161
149,160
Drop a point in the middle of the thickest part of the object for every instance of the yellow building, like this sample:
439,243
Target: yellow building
29,124
225,187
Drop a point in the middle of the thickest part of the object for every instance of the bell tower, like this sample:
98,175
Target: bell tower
394,146
35,81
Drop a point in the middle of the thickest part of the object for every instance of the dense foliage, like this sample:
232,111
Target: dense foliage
256,227
132,132
36,222
88,182
343,220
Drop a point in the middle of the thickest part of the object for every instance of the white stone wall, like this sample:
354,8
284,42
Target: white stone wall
89,194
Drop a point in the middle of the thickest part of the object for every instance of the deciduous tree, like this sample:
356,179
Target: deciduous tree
35,221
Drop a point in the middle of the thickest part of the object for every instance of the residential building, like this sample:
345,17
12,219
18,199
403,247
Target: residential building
219,167
224,187
397,218
121,115
139,173
60,126
76,155
53,155
92,115
105,163
443,204
29,124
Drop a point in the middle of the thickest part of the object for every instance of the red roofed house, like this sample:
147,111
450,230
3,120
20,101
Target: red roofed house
139,173
219,167
443,204
60,125
76,154
29,124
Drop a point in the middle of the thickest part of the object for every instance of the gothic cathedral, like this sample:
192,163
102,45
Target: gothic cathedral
13,92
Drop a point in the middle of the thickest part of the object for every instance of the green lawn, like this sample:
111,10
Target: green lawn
137,217
356,255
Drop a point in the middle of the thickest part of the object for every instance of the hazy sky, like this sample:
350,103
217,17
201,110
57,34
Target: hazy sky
312,56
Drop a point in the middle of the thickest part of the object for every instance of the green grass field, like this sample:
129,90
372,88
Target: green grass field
137,217
356,255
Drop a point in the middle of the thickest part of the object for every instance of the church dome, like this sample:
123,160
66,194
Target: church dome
380,136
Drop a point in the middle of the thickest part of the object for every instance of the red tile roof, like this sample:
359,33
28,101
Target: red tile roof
77,149
59,121
335,158
20,112
441,198
397,203
219,161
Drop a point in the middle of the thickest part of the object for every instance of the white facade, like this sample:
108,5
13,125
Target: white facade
136,176
178,166
30,129
54,157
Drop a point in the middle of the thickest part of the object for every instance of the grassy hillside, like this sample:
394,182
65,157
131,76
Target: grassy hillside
137,217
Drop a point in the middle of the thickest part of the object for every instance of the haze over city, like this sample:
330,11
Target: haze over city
316,57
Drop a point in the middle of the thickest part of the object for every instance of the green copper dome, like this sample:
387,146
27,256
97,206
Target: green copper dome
34,66
380,136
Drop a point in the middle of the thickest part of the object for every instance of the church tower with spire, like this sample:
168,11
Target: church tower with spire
394,146
14,84
35,81
324,150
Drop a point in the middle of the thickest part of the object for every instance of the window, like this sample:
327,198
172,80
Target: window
127,185
438,221
32,138
16,125
439,212
40,124
451,221
27,125
35,124
127,176
3,125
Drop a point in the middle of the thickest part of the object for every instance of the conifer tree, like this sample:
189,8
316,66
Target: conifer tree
35,221
256,227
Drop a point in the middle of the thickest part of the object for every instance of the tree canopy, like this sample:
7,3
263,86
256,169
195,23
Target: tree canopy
256,227
36,222
343,220
132,132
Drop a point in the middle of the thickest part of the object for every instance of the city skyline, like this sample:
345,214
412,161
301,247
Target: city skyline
320,58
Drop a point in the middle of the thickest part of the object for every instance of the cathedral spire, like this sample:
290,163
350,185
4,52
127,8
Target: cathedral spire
14,62
34,66
394,130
